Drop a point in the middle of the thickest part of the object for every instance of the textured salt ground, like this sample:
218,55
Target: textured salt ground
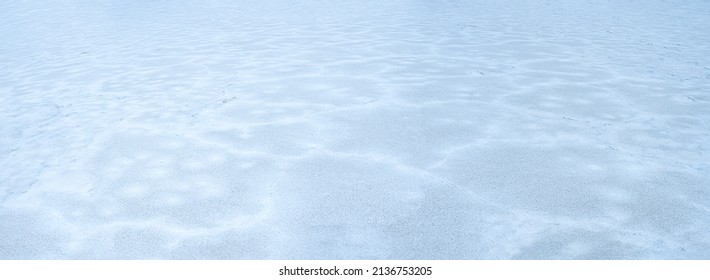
356,129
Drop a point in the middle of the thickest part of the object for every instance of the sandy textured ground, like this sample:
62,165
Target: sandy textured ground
351,129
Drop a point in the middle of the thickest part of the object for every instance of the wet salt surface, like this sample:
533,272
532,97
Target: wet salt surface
354,130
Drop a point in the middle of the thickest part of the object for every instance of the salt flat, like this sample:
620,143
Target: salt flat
351,129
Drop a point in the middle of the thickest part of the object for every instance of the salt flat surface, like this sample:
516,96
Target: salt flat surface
349,129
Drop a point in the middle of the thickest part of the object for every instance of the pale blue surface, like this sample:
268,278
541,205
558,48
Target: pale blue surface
354,129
